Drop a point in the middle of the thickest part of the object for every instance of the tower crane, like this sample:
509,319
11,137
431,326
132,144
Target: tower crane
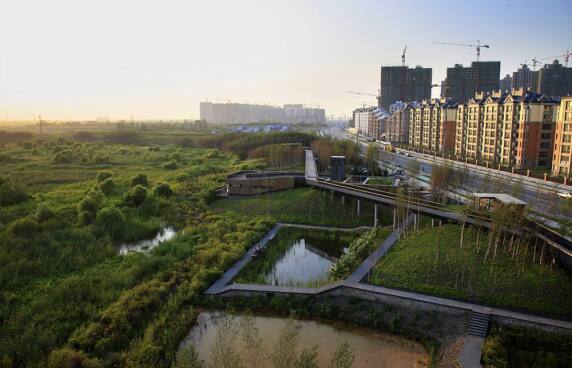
361,93
477,46
566,57
403,56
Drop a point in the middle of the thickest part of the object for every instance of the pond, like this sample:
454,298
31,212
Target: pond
371,349
303,264
145,245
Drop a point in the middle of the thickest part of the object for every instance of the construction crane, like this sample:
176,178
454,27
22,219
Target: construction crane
403,56
566,57
361,93
477,46
535,62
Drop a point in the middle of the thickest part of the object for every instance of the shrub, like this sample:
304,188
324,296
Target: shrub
140,179
111,221
9,193
102,159
107,186
212,153
4,157
97,196
171,165
102,175
162,190
63,157
25,226
44,213
136,196
86,218
175,157
83,136
68,358
87,209
121,137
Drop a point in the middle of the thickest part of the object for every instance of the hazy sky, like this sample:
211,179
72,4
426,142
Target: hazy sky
79,59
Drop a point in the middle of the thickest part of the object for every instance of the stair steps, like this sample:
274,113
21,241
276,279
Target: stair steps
478,324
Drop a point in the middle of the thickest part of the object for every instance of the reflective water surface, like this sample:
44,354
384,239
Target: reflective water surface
371,349
164,234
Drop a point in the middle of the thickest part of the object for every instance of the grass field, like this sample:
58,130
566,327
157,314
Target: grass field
433,262
304,206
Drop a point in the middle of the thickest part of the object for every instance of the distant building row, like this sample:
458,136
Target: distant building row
523,129
235,113
401,83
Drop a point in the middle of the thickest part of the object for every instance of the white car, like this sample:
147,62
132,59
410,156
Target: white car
566,195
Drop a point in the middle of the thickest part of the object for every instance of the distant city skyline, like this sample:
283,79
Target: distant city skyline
73,60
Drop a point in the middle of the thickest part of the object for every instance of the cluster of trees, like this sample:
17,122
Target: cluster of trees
10,193
324,148
508,346
358,250
238,344
241,144
279,156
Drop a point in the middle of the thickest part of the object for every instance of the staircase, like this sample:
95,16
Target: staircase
478,324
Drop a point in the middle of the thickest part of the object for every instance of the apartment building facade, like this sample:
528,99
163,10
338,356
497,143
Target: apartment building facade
397,130
513,129
401,83
462,83
432,125
562,153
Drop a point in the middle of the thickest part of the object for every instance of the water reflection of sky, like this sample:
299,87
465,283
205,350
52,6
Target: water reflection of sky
370,349
166,233
299,266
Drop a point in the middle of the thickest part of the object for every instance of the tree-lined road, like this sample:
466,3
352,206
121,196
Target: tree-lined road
470,181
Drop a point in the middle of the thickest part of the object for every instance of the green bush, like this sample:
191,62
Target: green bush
140,179
68,358
175,157
212,153
102,175
111,221
494,353
9,193
4,157
171,165
88,204
24,227
136,196
102,159
107,186
162,190
86,218
97,196
63,157
44,213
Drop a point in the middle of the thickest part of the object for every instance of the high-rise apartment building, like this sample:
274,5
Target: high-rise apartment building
505,83
562,154
462,83
401,83
432,125
235,113
555,80
514,129
524,78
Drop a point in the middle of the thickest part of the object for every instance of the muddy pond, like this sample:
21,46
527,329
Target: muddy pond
371,349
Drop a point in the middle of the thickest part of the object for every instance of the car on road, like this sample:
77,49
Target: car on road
408,154
566,195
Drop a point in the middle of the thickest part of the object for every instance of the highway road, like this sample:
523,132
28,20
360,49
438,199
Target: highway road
541,200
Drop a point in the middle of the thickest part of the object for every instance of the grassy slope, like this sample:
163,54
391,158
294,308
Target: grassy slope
305,206
433,262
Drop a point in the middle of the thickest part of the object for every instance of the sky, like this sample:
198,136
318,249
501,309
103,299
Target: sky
80,59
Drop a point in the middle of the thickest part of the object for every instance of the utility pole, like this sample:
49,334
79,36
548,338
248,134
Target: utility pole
40,123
